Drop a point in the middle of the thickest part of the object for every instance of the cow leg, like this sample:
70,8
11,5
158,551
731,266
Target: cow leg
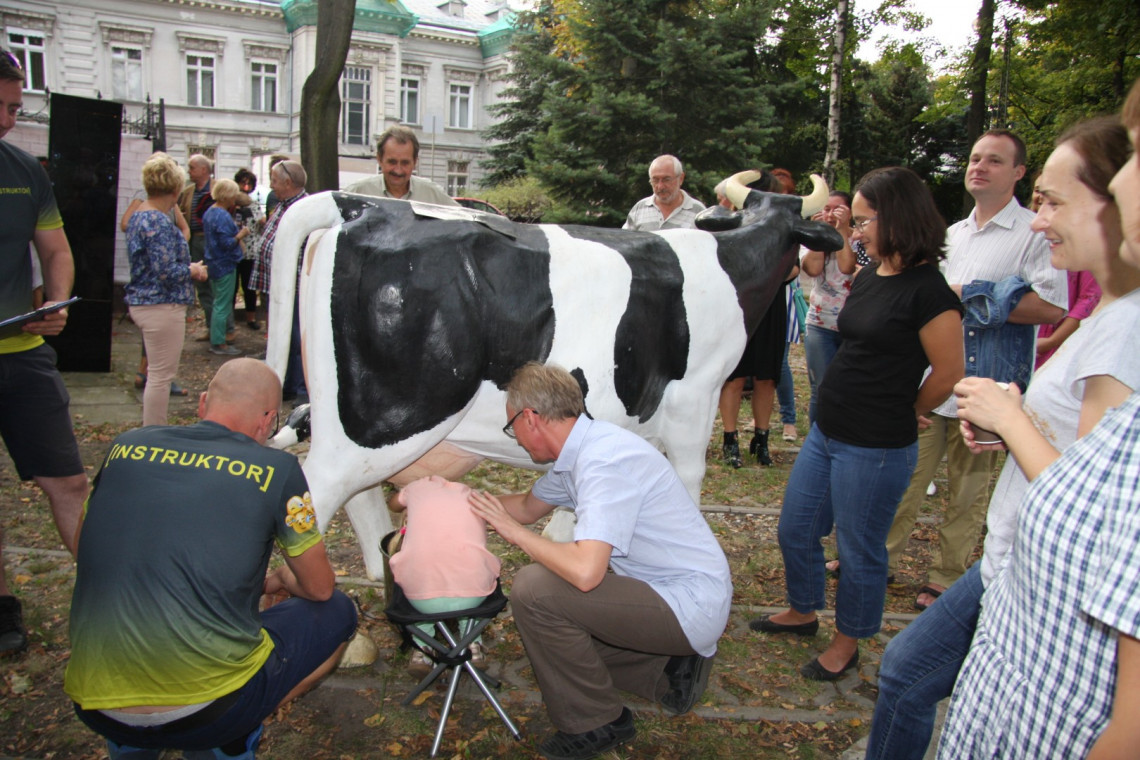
686,444
368,513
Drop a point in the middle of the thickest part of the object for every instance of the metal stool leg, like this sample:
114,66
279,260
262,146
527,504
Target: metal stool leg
477,677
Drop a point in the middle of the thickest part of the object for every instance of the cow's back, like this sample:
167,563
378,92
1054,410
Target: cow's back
425,311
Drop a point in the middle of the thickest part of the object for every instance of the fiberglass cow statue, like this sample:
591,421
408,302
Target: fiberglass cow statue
414,317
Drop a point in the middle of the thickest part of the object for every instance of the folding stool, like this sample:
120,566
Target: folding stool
450,651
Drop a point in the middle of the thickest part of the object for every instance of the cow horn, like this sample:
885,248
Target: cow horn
818,198
736,187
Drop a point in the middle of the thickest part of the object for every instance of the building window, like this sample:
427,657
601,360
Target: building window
410,101
457,177
29,51
356,96
200,80
459,115
126,73
209,151
263,86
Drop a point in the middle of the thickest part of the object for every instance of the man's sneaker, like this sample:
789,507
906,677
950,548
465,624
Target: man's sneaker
688,677
13,636
564,746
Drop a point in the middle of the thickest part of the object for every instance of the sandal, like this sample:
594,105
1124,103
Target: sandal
178,390
929,592
140,380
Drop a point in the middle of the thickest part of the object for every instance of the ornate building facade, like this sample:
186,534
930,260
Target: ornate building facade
229,74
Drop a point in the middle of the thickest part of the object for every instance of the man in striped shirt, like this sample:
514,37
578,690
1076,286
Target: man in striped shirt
998,265
669,207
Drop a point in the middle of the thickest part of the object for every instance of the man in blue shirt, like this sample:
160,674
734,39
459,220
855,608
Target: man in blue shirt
651,626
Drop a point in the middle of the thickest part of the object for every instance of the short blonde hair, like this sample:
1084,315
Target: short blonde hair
549,390
161,176
224,191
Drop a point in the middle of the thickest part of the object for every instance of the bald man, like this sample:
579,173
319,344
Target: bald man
168,647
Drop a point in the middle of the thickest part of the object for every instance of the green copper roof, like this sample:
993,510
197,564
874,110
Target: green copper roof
496,38
383,16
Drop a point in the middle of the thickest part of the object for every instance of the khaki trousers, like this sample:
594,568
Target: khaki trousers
969,499
584,646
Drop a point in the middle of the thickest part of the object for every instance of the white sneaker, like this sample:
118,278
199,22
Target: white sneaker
478,658
931,489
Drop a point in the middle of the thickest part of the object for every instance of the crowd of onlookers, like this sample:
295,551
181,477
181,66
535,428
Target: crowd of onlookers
1010,329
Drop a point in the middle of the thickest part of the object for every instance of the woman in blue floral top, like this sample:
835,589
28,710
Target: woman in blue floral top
223,253
160,288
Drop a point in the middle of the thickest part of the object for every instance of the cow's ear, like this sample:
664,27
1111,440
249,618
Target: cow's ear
818,236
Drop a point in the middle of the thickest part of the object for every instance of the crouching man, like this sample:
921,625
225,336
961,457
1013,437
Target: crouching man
651,626
168,647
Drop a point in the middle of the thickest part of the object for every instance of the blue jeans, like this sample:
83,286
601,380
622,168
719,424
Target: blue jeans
786,392
867,484
820,347
294,383
919,669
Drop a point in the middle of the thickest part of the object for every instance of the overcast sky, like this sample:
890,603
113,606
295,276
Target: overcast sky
952,23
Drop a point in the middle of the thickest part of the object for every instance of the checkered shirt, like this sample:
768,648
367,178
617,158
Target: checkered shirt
647,217
1041,674
263,262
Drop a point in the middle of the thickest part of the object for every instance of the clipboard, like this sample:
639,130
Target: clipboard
10,327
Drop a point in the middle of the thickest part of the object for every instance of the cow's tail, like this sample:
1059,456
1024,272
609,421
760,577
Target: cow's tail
305,217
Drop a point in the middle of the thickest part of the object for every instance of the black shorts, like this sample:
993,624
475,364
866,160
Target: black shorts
35,421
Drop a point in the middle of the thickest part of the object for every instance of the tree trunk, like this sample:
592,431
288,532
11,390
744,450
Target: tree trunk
320,99
833,110
979,71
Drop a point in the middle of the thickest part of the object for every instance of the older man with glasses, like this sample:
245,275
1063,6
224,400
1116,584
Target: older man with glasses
669,207
651,626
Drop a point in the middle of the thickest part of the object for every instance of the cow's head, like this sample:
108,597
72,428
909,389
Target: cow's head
758,206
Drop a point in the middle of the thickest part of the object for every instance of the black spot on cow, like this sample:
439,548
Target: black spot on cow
580,376
425,310
651,347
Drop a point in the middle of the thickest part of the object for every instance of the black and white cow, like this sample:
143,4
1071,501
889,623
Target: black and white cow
414,317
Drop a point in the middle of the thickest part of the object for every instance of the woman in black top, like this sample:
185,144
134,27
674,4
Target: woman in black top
901,317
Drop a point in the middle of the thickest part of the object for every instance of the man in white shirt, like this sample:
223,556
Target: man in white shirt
991,245
649,627
669,207
398,154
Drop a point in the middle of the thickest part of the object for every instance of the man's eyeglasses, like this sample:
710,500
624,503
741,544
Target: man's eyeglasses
276,421
662,180
859,224
508,429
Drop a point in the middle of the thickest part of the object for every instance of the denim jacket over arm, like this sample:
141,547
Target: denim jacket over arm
995,348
